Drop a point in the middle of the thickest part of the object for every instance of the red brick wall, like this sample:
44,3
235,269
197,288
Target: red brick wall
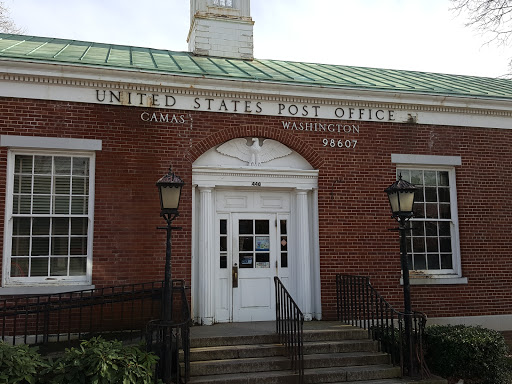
354,212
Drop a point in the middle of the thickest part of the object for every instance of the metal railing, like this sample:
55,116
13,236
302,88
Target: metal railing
121,311
171,340
290,328
359,304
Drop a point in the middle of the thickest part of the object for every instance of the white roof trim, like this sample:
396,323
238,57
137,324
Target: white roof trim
50,143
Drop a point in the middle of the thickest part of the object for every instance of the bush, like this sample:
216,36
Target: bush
471,353
98,361
20,364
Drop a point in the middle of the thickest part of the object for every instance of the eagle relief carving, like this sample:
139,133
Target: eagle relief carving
255,154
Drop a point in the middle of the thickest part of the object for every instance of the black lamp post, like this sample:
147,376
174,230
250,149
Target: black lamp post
169,189
401,199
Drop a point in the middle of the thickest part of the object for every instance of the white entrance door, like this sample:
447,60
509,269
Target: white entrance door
260,252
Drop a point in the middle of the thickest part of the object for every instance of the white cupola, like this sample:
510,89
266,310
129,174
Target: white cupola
222,28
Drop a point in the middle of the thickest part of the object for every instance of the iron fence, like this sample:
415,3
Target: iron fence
359,304
122,311
171,340
290,327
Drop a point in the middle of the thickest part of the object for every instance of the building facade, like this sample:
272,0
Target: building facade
285,166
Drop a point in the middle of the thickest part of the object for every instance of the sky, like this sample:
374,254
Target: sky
420,35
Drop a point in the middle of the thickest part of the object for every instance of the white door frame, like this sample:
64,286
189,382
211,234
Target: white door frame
303,188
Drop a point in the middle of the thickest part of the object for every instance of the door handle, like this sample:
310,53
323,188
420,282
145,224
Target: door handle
234,275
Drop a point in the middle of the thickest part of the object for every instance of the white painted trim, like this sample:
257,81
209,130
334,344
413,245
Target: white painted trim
44,290
398,158
496,322
246,176
50,143
436,280
77,83
267,179
61,282
456,271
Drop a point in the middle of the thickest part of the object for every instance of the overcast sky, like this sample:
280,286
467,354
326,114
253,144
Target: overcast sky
421,35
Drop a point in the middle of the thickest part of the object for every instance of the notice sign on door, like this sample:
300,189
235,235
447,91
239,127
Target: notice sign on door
262,243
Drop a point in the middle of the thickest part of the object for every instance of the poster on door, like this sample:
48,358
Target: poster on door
262,243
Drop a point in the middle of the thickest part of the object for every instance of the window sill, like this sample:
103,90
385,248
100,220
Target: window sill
42,290
436,280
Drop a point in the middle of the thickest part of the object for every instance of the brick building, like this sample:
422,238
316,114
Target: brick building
285,166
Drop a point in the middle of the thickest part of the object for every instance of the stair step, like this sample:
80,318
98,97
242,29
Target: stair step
432,380
309,335
349,333
226,366
353,373
233,340
345,359
312,376
262,350
259,364
367,345
236,352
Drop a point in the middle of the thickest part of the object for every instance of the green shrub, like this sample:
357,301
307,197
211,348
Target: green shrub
20,364
98,361
471,353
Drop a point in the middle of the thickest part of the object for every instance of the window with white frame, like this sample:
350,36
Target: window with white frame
49,216
223,3
432,243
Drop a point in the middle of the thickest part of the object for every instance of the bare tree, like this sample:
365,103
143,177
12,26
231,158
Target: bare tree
7,25
491,17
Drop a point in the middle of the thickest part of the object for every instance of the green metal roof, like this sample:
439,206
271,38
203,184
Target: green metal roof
61,51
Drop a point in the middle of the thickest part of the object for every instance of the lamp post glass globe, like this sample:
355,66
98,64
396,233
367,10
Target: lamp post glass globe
401,198
169,188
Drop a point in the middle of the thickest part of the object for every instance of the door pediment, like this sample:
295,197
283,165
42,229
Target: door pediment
250,153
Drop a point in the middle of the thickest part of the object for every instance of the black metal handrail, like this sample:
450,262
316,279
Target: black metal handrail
120,310
359,304
290,327
172,338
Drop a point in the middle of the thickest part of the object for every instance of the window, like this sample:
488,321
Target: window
49,218
254,243
284,243
223,243
223,3
432,243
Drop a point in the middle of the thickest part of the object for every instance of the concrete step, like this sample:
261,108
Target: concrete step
353,373
348,333
233,340
236,352
259,364
433,380
227,366
261,350
275,377
366,345
312,376
345,359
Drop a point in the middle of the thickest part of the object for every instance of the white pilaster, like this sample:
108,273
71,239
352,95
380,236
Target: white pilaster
303,282
206,256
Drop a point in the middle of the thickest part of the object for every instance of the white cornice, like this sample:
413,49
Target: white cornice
24,78
245,177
